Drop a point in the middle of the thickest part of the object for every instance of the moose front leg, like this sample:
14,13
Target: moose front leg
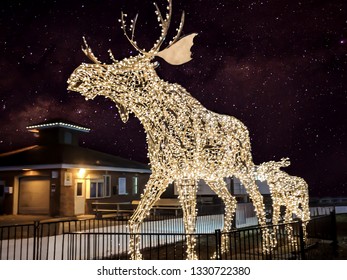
257,199
220,188
187,189
154,188
305,215
276,217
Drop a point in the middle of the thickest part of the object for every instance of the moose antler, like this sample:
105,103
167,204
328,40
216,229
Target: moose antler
89,53
285,162
132,29
172,55
177,52
164,23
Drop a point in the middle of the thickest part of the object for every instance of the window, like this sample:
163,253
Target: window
96,188
100,188
135,185
122,188
93,189
79,189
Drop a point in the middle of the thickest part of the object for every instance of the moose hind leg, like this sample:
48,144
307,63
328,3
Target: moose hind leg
154,188
220,188
187,189
288,219
305,217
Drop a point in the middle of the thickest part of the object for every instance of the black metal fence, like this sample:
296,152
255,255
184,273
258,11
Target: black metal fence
243,244
162,238
154,246
48,240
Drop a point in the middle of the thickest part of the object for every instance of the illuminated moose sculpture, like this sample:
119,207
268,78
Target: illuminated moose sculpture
288,191
186,142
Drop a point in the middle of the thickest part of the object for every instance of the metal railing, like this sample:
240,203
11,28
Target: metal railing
161,238
154,246
47,240
244,244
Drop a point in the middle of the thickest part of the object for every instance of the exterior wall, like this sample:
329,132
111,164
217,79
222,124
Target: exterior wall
57,136
115,196
67,195
55,193
7,203
12,181
62,195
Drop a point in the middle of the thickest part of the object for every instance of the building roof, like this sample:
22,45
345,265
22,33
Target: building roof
66,156
53,153
57,123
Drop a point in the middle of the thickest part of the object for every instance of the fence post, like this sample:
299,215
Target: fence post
302,241
334,232
36,239
218,236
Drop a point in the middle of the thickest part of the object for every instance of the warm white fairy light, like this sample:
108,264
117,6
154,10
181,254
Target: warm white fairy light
186,142
58,124
288,191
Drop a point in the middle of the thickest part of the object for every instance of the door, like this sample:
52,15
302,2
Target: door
80,197
33,196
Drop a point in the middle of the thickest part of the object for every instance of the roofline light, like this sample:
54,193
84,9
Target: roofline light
58,124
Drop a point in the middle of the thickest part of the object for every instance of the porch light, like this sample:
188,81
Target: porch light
81,173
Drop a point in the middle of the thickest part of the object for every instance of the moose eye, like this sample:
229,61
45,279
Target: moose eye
78,83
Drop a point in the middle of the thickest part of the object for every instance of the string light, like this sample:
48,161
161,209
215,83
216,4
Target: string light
186,142
288,191
58,124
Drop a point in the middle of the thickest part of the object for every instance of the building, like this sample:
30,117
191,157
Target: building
57,177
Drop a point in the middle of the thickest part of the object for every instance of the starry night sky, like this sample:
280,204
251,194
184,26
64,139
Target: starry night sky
279,66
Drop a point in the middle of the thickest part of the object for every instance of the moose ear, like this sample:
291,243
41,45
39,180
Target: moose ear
178,53
285,162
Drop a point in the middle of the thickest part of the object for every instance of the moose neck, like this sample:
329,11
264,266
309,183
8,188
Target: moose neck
160,103
169,115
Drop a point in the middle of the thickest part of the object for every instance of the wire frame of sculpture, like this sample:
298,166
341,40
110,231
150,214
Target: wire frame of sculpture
288,191
186,142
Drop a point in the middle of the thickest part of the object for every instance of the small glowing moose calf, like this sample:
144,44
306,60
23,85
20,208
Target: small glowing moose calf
186,142
288,191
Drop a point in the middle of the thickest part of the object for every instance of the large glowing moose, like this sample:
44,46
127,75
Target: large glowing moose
288,191
186,142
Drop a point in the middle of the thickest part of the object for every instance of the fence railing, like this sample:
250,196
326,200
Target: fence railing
47,240
161,238
154,246
244,244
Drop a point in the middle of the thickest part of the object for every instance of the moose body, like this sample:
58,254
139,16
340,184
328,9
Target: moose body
290,192
186,142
